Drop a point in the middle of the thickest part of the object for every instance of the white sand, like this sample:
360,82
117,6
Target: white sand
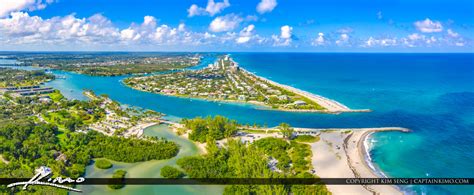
331,160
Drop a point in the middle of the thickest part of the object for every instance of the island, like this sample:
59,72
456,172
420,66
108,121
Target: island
225,80
109,64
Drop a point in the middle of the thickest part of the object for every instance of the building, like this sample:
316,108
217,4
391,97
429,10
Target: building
44,170
299,103
283,98
45,100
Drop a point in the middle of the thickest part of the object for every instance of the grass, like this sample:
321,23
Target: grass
307,138
56,96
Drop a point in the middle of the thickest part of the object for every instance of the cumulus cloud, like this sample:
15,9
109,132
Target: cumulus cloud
266,6
320,40
246,34
384,42
181,27
453,34
211,9
194,10
419,40
225,23
9,6
343,39
285,38
428,26
22,28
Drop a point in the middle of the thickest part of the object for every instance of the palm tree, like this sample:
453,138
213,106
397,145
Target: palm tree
286,130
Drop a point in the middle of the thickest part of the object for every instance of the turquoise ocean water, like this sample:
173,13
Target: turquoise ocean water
432,94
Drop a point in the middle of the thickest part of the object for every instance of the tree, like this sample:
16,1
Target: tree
286,130
120,174
171,172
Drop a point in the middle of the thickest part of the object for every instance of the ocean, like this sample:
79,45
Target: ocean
432,94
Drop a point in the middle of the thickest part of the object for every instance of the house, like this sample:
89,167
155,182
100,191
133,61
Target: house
283,98
167,91
273,91
242,97
45,100
44,170
299,103
222,96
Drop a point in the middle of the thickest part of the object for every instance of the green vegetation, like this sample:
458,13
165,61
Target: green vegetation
307,138
126,149
216,128
56,96
103,164
34,134
111,64
286,130
118,174
171,172
20,78
224,80
238,160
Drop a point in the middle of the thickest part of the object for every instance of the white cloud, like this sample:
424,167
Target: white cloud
266,6
416,36
428,26
320,40
9,6
384,42
211,9
22,28
343,38
246,34
453,34
285,38
286,32
182,27
194,10
225,23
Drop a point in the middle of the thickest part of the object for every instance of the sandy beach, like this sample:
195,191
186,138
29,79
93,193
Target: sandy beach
343,155
340,153
330,105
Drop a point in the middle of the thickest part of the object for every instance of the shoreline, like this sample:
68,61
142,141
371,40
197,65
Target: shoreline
331,106
341,154
261,106
362,164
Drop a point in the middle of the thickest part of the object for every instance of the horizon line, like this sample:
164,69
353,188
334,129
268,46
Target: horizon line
124,51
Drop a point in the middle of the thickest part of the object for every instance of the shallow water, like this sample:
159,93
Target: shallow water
432,94
150,169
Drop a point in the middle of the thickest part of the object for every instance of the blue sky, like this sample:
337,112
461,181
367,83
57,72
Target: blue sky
230,25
